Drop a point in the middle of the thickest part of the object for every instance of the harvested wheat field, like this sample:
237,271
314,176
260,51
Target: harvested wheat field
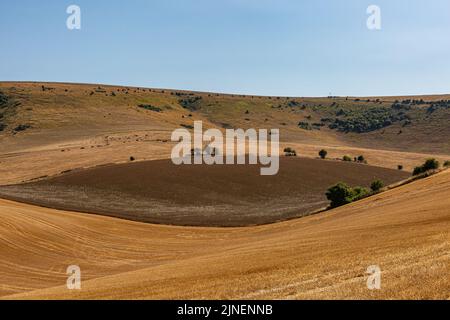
199,195
225,151
405,231
65,168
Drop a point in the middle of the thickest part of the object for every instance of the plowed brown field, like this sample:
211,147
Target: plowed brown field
405,231
199,195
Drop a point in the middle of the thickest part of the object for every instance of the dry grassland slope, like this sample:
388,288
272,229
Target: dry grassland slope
405,231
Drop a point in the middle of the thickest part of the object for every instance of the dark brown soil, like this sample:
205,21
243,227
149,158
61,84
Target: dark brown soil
199,195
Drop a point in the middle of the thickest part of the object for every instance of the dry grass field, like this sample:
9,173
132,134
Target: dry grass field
405,231
59,141
82,126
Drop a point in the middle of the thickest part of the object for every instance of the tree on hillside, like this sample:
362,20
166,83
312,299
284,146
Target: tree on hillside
377,185
430,164
289,152
347,158
323,153
341,194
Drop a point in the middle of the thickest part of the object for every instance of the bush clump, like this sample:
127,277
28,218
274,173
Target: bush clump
361,159
377,185
341,194
150,107
367,120
22,127
447,163
347,158
191,103
323,153
430,164
289,152
304,125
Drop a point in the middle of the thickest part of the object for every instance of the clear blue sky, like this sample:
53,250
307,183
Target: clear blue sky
269,47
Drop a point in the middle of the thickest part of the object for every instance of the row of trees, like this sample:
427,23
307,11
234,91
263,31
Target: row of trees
341,193
289,152
323,154
430,164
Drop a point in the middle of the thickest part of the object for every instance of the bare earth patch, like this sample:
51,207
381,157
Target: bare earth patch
199,195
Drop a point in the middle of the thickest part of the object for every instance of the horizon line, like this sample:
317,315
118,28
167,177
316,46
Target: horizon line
219,92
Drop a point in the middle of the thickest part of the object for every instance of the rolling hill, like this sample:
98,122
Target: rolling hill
49,128
404,231
201,195
57,140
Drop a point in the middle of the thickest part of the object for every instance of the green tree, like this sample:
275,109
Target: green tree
359,193
417,171
430,164
323,153
347,158
377,185
340,194
289,152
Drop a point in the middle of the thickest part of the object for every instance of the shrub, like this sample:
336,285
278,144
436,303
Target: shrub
447,163
191,103
366,120
304,125
359,193
22,127
132,158
400,167
341,194
430,164
347,158
417,171
377,185
289,152
361,159
150,107
323,153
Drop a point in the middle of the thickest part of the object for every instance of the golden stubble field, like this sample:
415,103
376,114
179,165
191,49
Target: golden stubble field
405,231
70,128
